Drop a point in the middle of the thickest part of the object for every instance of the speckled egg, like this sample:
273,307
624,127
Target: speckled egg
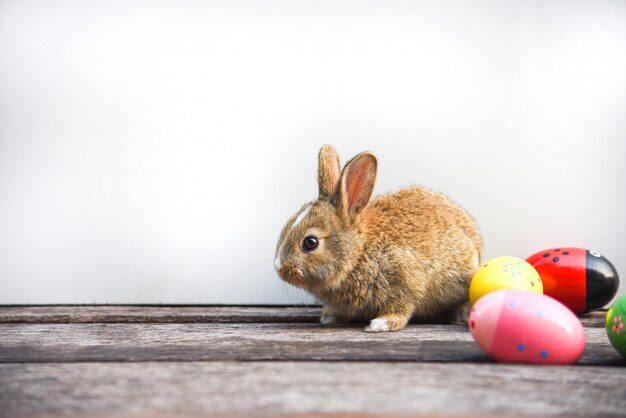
583,280
504,272
615,328
517,326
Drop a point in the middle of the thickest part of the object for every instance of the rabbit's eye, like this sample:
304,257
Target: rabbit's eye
310,243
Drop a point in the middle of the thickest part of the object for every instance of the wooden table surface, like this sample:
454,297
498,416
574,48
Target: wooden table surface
147,361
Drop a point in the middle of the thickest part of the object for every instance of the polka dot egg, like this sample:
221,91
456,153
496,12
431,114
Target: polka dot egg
504,273
516,326
616,325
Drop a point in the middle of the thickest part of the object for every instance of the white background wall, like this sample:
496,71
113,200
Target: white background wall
150,151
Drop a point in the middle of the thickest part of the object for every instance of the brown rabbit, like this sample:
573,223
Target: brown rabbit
404,254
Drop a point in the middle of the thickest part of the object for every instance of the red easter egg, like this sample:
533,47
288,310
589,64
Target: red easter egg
581,279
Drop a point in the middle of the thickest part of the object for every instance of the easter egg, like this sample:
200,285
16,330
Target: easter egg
581,279
615,325
516,326
504,273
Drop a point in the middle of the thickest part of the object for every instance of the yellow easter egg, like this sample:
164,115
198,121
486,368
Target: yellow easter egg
504,272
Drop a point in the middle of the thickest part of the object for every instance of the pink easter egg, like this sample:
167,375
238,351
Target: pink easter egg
517,326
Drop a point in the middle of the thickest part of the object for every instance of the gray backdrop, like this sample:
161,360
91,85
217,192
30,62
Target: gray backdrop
150,151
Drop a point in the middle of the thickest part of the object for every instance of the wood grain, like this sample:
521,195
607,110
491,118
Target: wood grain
234,362
270,388
252,342
185,314
157,314
251,414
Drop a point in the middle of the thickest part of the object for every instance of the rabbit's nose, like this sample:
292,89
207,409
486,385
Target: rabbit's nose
277,264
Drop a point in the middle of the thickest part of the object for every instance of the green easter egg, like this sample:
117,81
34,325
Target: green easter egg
616,325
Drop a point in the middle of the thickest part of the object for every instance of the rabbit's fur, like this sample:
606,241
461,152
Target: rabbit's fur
408,253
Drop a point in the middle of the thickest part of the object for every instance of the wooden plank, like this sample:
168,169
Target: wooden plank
158,314
252,342
282,415
185,314
271,388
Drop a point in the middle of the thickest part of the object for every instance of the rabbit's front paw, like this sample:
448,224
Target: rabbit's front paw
328,319
389,322
377,325
328,316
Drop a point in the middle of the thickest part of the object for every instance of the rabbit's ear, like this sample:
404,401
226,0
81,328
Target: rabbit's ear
357,183
328,171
